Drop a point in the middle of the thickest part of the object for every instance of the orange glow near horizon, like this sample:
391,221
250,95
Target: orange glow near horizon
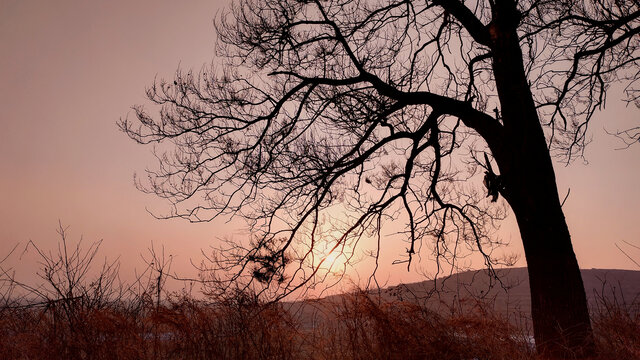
331,261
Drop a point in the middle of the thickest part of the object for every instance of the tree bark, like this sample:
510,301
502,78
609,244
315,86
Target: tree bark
558,303
561,322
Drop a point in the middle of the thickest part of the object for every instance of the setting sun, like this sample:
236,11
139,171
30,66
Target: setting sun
332,260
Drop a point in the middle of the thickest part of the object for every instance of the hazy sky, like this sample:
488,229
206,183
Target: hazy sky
70,69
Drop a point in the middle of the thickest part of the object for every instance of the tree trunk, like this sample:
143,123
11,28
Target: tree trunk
558,303
561,323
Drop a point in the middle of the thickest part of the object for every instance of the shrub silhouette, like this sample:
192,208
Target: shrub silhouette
100,318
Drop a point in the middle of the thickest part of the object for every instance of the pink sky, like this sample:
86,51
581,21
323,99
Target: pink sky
70,69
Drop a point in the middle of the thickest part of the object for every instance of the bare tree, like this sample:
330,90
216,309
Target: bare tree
384,110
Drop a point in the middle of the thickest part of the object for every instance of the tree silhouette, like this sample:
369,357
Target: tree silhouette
386,109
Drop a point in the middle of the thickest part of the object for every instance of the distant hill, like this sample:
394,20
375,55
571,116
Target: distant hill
508,297
511,292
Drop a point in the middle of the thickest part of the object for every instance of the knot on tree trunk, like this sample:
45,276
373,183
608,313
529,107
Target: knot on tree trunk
493,183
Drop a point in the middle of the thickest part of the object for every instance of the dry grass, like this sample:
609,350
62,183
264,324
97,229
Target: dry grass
361,327
241,327
70,317
616,327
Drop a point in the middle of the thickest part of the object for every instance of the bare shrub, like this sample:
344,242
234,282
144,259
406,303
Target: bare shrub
363,327
238,326
616,324
78,314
